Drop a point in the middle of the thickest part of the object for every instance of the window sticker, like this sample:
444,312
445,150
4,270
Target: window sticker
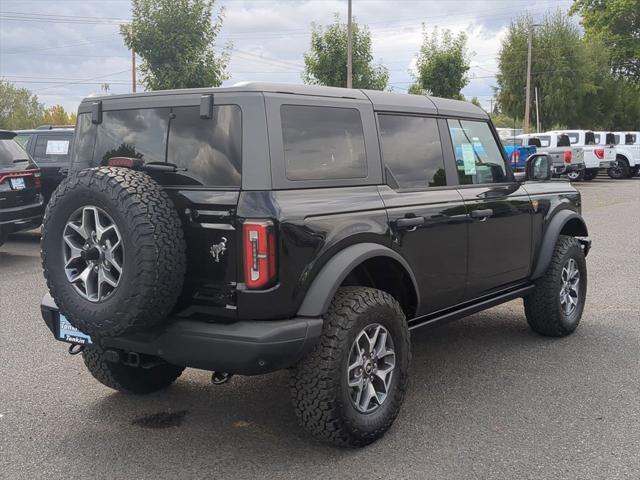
469,159
57,147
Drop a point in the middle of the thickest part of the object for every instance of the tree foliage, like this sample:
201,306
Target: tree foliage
19,108
326,62
576,84
57,115
176,41
442,64
617,24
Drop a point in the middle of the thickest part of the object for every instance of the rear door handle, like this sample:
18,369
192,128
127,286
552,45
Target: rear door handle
409,223
482,214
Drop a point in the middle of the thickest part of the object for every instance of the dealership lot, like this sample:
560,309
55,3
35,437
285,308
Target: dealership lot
488,398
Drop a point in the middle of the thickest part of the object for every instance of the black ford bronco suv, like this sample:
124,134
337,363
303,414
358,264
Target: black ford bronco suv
260,227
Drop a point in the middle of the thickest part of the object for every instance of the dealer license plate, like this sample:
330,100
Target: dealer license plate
69,333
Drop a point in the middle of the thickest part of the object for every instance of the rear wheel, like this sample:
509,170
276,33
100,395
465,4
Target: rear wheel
555,307
619,169
349,389
128,379
576,175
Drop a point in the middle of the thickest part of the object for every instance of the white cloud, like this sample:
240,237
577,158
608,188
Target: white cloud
269,39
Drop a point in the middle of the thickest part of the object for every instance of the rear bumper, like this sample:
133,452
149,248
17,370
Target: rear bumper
21,218
244,347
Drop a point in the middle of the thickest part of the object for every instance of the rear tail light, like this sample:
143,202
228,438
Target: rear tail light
567,157
599,153
35,174
125,162
515,157
259,246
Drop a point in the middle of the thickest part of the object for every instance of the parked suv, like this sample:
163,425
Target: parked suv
20,200
628,154
261,227
50,147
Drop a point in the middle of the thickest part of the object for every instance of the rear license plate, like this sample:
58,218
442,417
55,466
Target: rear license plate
18,183
69,333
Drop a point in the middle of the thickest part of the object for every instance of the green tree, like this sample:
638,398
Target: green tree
57,115
442,64
176,41
19,108
559,69
326,62
617,23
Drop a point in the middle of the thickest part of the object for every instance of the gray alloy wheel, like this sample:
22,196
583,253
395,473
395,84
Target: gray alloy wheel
570,287
93,253
372,360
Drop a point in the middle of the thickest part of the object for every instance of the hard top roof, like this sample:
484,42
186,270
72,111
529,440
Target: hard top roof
387,101
47,130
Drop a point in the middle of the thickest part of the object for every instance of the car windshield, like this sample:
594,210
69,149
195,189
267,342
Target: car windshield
11,153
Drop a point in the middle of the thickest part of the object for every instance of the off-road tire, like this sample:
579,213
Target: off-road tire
154,250
620,169
542,307
319,382
576,175
128,379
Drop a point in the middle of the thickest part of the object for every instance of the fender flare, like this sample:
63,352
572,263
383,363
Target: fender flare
324,286
550,239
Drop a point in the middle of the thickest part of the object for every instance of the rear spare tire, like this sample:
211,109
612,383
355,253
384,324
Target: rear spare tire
113,251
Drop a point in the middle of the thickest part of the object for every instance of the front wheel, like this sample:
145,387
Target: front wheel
349,389
555,307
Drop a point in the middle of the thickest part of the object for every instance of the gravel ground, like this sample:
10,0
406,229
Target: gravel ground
488,398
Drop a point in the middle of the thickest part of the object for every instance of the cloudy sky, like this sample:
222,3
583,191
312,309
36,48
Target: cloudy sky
63,50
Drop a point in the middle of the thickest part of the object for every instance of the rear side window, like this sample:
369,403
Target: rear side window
478,156
629,139
23,139
52,148
412,152
322,143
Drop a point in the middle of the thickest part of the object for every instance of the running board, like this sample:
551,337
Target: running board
440,318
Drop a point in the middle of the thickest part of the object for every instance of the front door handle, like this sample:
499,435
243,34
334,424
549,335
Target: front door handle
482,214
409,223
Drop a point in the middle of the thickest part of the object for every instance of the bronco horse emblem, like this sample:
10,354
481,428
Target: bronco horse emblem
217,249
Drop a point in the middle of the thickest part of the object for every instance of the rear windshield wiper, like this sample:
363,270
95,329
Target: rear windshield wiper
162,167
18,160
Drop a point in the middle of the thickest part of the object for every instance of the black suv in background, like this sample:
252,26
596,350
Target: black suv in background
260,227
50,147
21,205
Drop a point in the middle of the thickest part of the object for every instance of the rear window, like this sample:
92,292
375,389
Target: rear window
322,143
10,152
629,139
23,139
209,149
52,148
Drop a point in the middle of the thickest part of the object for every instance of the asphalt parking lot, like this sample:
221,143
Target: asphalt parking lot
488,398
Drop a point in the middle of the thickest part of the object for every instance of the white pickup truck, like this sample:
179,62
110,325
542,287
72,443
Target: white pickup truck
596,156
627,154
566,158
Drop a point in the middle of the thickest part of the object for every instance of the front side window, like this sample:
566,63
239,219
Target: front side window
412,152
322,143
478,156
52,148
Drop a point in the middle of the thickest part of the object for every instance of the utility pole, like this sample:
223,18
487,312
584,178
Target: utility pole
349,49
537,112
525,126
133,71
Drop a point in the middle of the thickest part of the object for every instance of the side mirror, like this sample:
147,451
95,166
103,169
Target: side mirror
538,167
